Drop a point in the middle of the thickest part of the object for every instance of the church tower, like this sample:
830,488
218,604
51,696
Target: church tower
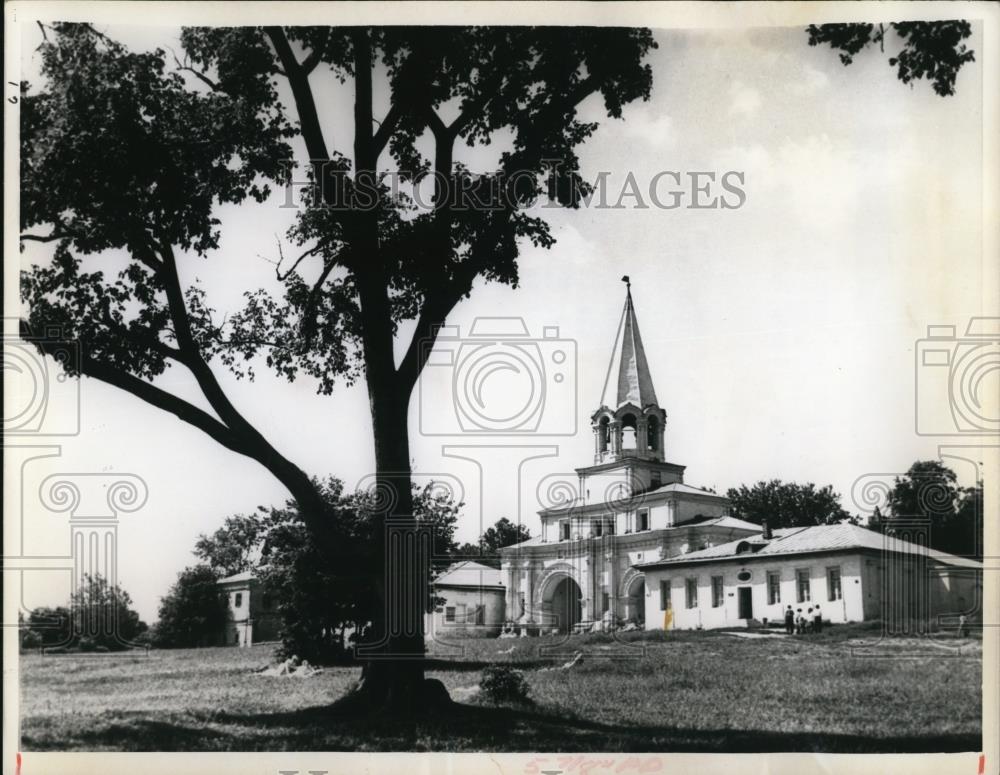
629,422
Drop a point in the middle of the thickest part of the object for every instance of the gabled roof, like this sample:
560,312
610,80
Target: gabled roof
633,381
816,538
246,577
470,574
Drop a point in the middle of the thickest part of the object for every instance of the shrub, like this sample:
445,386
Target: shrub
87,644
30,640
501,683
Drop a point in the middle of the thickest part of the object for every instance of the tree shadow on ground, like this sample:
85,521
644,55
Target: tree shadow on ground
458,728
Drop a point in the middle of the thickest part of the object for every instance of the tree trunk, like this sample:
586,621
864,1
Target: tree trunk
393,674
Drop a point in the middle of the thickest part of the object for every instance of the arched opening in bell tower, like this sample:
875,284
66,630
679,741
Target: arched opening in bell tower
629,434
652,432
603,434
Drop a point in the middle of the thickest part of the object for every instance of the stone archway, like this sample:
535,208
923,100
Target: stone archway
633,590
560,600
565,604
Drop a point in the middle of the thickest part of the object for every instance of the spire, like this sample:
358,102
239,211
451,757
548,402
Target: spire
634,384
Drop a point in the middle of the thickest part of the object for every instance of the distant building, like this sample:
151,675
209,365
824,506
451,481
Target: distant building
253,616
851,573
473,601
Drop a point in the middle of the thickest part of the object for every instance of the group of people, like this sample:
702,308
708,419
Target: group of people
798,623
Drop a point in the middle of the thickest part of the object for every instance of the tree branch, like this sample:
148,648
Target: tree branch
316,55
386,128
139,388
298,79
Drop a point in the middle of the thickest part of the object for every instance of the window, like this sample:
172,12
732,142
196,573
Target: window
717,591
834,592
239,600
598,528
802,586
611,526
605,602
564,531
480,614
773,588
691,592
449,613
665,595
643,519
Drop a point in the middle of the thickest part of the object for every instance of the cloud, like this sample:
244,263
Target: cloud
746,100
657,130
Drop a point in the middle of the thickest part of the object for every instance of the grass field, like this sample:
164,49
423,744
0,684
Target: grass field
690,691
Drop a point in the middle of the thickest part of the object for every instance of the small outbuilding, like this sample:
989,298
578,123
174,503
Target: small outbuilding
471,601
850,573
253,616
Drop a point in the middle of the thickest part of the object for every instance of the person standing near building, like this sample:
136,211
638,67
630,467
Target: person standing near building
789,621
817,620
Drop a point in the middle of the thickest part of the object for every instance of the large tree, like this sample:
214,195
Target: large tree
126,155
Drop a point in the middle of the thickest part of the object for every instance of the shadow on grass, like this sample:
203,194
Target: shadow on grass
458,728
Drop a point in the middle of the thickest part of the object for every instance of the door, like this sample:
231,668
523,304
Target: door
746,602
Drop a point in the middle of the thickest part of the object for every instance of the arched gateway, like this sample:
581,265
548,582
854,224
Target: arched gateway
561,603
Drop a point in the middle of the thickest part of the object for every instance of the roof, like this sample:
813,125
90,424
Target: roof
681,487
723,522
638,500
634,383
470,574
816,538
245,577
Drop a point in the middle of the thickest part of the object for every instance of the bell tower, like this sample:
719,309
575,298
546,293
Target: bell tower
629,423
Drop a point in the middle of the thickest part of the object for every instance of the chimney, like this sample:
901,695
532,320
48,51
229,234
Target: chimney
765,530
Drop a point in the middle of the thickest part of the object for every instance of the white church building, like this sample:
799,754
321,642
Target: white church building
637,546
632,507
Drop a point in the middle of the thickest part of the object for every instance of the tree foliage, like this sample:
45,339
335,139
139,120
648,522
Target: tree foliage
934,51
321,602
787,504
194,612
487,549
929,492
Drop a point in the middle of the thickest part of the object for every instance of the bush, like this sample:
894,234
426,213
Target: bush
501,683
87,644
30,640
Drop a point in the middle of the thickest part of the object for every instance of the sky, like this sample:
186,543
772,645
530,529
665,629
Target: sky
782,335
